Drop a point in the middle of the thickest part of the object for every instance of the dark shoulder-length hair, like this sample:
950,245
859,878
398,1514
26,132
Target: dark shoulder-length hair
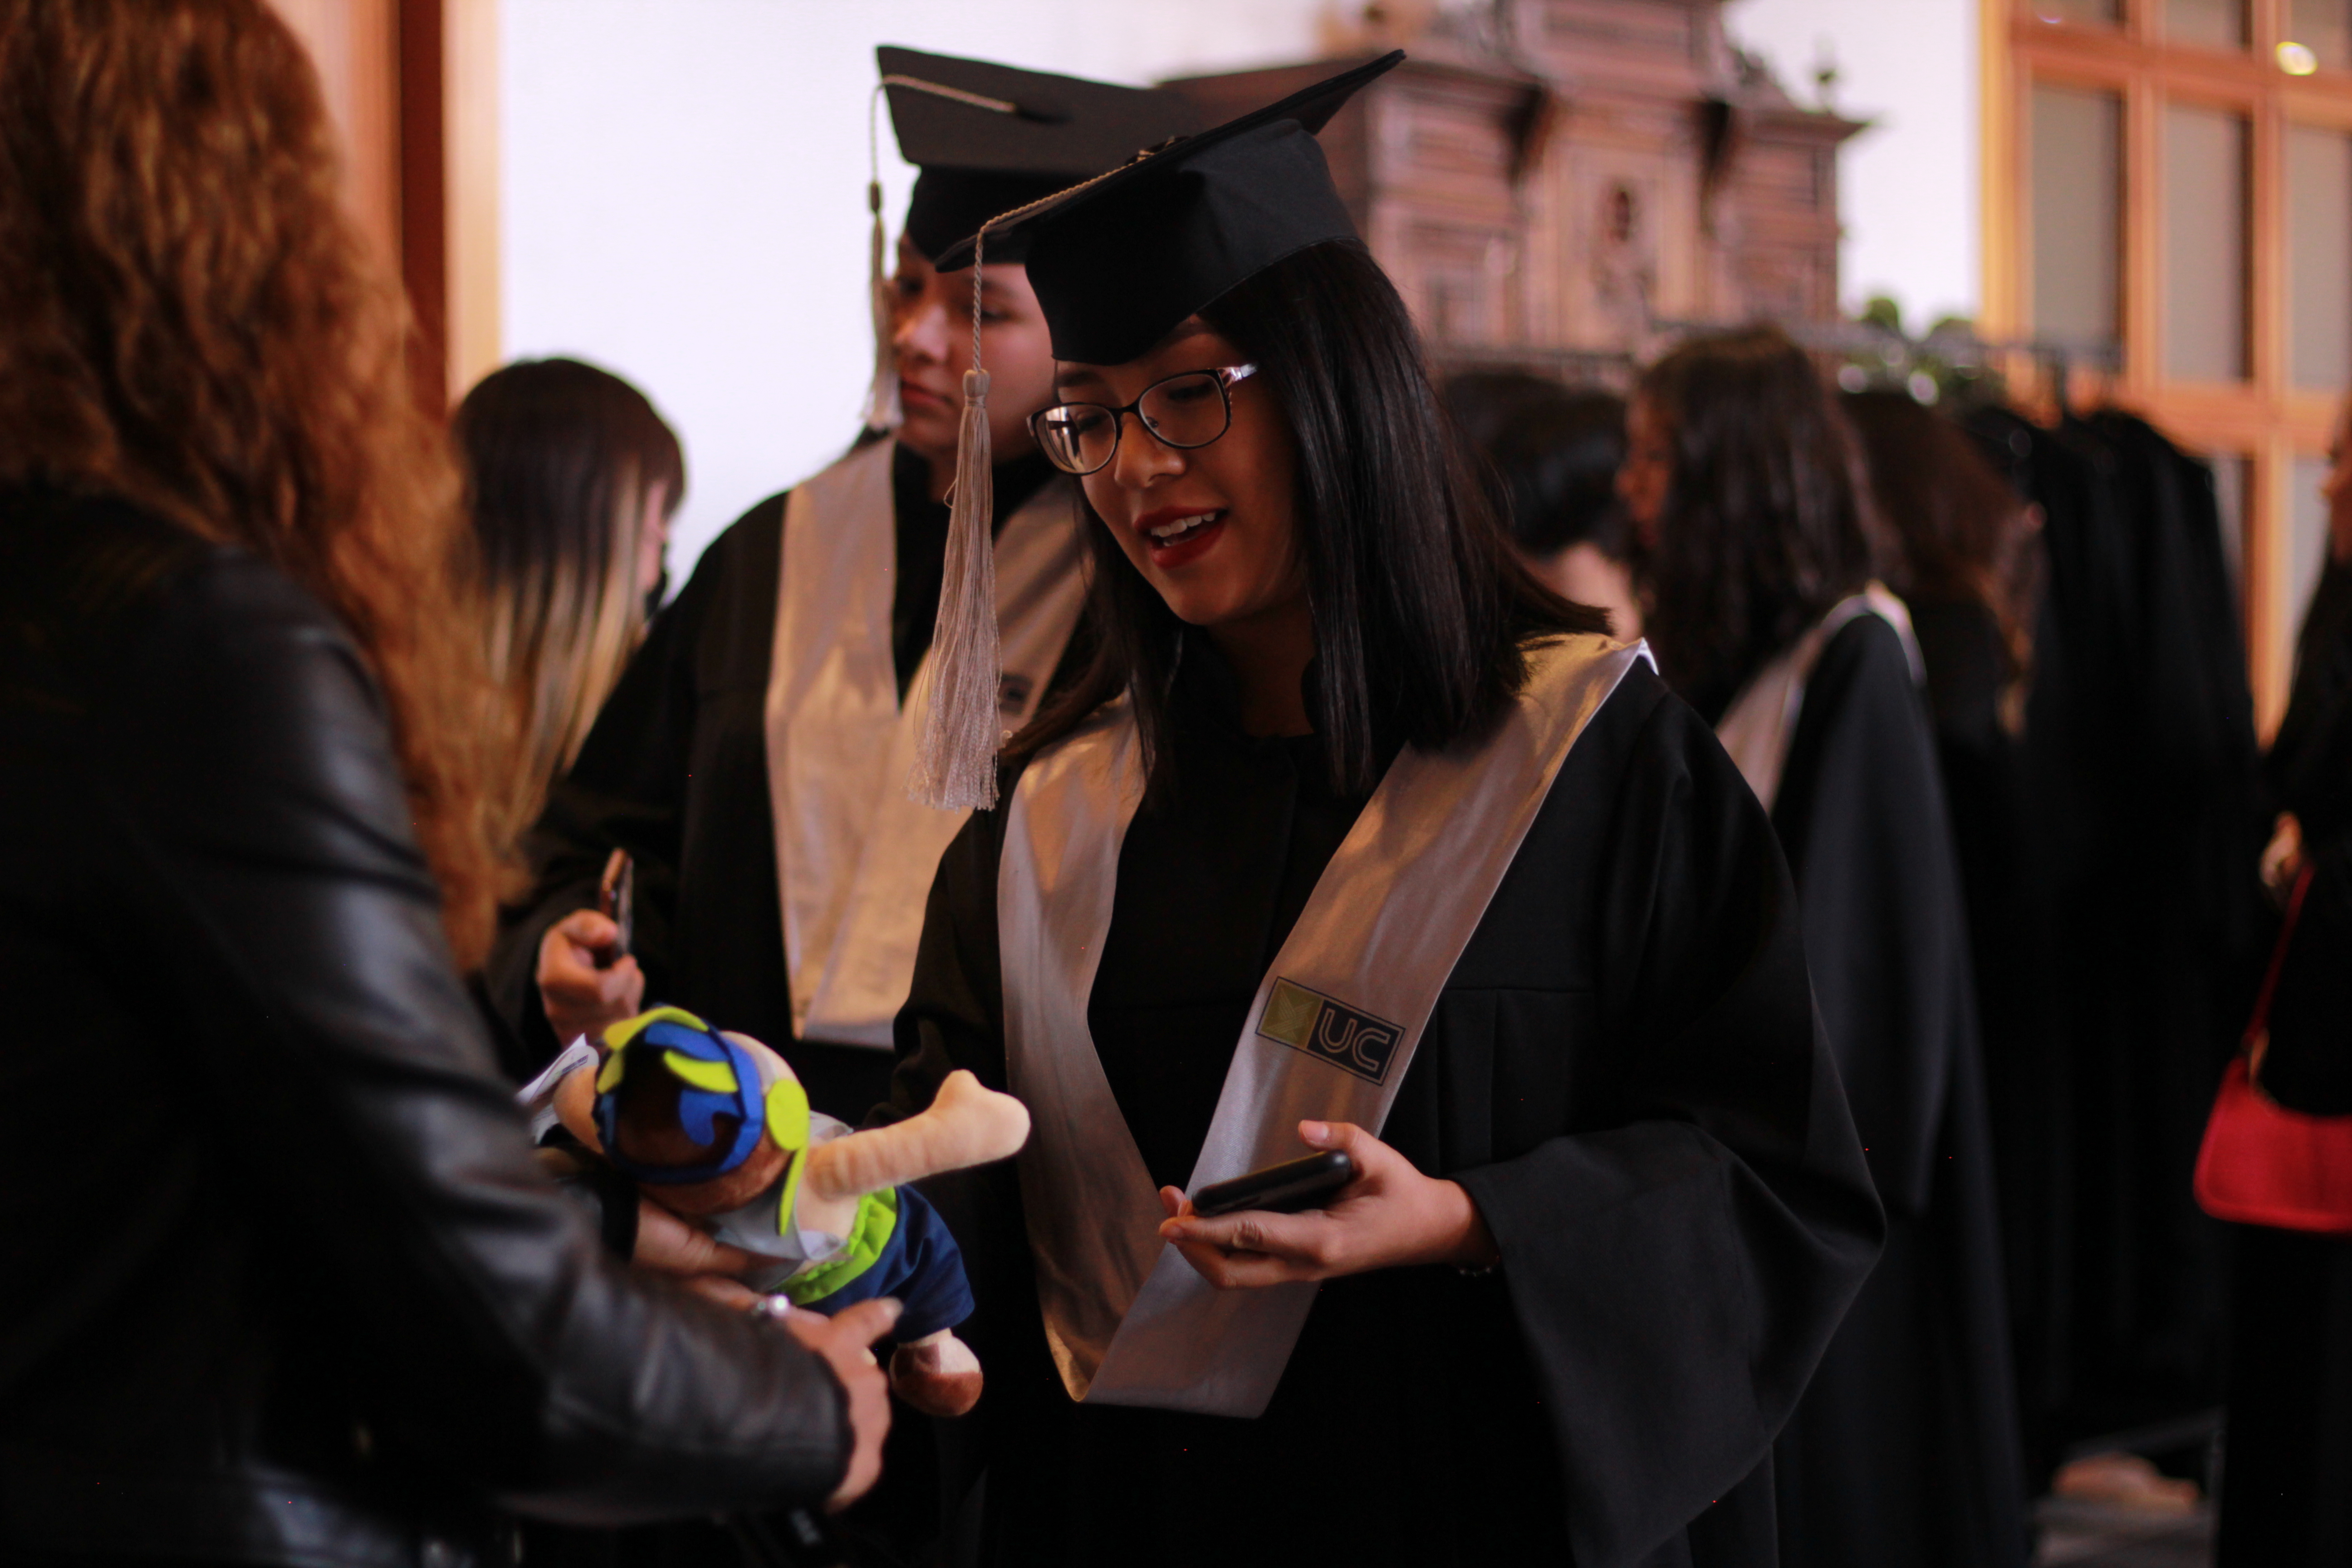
1421,612
559,460
1962,534
1765,525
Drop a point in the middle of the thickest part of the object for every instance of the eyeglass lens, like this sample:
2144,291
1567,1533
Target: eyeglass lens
1183,411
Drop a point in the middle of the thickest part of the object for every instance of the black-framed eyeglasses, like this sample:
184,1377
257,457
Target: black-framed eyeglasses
1186,412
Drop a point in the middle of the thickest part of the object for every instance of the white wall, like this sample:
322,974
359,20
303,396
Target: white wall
684,181
1909,185
684,192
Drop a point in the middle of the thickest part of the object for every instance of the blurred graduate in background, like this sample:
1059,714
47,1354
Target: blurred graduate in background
2286,1502
1742,477
1548,456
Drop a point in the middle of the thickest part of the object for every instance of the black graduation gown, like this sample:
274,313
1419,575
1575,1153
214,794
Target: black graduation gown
1905,1448
2285,1499
676,772
2140,759
1624,1070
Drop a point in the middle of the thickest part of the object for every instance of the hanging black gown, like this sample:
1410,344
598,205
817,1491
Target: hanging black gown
676,772
2286,1497
2004,884
1625,1071
1905,1448
2142,791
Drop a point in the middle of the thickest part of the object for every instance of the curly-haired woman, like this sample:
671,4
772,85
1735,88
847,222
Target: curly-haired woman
279,1280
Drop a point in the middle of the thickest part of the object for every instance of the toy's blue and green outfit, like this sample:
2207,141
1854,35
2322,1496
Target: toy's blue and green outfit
897,1244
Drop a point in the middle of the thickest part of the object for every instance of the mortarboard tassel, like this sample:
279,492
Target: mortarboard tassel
882,411
955,770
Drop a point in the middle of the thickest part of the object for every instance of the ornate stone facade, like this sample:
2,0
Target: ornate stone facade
1550,180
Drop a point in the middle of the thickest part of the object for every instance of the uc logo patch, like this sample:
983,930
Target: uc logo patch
1330,1030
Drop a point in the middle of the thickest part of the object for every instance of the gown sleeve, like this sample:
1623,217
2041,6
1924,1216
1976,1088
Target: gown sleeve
1677,1266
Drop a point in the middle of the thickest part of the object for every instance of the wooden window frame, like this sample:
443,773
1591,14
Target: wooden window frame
2264,418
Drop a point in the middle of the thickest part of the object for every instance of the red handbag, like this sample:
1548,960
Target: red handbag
2262,1164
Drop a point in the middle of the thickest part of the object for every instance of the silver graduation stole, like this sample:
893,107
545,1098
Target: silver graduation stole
854,857
1329,1035
1761,721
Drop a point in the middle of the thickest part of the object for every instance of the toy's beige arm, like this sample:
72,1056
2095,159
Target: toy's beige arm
966,1125
575,1106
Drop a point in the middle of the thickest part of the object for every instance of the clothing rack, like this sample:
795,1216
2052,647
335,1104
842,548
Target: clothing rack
2056,356
1612,368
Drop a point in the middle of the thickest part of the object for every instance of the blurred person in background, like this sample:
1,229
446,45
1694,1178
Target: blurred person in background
571,479
1744,484
753,759
1548,456
280,1279
2286,1500
1965,563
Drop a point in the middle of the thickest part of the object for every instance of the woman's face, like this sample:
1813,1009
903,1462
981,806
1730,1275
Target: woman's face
931,340
1648,467
1211,529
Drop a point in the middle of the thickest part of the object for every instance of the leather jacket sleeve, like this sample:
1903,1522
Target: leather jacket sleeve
240,763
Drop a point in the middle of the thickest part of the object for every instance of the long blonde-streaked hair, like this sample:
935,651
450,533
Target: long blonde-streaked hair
189,321
560,460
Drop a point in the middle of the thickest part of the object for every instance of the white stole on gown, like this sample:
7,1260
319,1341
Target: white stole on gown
1761,721
854,857
1330,1034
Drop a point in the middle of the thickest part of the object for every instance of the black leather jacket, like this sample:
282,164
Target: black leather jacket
280,1279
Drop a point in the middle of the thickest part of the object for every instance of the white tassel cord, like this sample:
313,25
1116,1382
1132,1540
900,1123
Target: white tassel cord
882,410
956,768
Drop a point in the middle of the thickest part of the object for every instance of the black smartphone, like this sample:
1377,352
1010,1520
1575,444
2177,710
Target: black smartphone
1286,1188
616,900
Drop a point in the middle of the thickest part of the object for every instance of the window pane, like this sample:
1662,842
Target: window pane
2318,256
2077,167
2094,13
2325,27
2214,24
2306,543
2204,244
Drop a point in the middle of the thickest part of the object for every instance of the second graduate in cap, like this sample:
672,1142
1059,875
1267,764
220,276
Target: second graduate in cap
753,757
1352,836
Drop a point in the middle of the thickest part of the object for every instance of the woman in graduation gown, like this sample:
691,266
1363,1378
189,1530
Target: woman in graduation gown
1965,563
1742,477
751,759
2284,1501
1484,906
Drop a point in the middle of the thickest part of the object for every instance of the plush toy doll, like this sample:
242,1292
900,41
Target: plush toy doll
714,1127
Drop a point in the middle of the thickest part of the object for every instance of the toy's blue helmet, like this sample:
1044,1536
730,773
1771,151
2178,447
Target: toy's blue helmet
716,1077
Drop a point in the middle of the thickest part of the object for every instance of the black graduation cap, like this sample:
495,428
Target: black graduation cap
989,138
1119,261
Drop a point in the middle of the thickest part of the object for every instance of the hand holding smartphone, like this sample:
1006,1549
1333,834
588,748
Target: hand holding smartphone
1286,1188
617,898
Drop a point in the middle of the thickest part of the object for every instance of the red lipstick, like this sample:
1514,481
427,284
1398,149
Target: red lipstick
1171,545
